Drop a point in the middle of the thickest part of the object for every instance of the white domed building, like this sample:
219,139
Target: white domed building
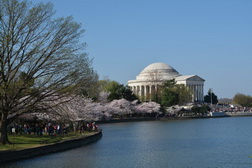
146,83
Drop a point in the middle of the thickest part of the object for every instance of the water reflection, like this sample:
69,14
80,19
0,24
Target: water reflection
225,142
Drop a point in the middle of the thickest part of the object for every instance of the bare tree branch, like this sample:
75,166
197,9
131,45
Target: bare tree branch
40,57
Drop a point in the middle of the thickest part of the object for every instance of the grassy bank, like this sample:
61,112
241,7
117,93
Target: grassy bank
30,141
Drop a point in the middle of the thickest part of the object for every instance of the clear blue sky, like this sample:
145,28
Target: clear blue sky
208,38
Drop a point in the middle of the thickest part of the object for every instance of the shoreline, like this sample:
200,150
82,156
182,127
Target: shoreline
8,156
174,118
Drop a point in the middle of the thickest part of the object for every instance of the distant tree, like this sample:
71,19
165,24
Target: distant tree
103,97
128,94
225,100
169,84
169,97
104,85
174,94
121,107
117,91
243,100
211,97
148,108
200,109
184,94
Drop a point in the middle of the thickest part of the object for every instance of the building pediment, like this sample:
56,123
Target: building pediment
146,83
190,78
195,78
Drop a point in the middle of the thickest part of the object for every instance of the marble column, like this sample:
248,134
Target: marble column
197,92
150,92
202,92
145,92
138,90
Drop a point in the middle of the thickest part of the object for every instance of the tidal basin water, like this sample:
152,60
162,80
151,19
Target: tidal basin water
197,143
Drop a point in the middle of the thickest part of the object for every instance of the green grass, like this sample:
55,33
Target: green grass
29,141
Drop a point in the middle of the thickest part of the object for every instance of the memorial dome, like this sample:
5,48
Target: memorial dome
147,84
158,70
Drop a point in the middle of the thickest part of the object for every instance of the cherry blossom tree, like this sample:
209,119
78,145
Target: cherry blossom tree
120,107
78,108
147,108
103,97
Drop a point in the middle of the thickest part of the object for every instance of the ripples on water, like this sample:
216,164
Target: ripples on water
198,143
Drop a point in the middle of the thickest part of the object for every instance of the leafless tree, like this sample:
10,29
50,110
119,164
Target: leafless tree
40,57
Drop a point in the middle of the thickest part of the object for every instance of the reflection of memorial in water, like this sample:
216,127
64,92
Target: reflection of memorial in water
197,143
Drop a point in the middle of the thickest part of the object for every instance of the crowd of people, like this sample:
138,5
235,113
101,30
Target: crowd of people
51,129
229,108
87,126
37,129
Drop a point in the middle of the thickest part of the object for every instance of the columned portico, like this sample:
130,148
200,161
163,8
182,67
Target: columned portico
193,83
148,81
145,92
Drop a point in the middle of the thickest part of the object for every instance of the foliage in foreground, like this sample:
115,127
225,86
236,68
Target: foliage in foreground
41,60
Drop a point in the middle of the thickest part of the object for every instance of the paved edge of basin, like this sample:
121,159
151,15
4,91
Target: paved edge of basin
7,156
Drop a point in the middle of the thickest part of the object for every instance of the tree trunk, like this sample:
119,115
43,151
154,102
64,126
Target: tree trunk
3,130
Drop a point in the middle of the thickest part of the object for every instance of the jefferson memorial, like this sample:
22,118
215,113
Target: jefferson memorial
146,83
